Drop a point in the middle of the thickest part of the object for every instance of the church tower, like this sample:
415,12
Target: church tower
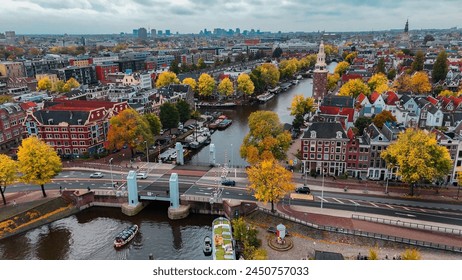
320,75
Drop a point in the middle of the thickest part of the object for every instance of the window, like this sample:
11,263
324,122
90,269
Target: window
319,149
326,149
82,143
326,157
311,156
319,156
305,148
312,149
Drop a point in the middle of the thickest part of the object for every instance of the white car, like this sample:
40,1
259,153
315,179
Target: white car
97,175
141,175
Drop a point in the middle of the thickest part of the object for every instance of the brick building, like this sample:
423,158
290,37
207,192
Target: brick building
73,127
11,118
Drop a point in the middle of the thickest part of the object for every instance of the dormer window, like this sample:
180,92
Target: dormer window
313,134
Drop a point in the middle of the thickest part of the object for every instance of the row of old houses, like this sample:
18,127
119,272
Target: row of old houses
330,143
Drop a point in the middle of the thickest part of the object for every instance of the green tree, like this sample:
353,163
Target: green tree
206,85
270,181
440,67
361,123
174,66
184,110
166,78
8,173
130,128
38,162
245,84
418,63
381,118
257,80
418,157
380,66
354,88
169,116
277,52
153,122
341,68
391,74
226,87
266,139
201,64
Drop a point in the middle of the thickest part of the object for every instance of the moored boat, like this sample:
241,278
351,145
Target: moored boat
207,246
224,124
222,241
265,97
125,236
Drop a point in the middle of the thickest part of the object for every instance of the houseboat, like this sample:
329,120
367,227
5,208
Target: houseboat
222,240
265,97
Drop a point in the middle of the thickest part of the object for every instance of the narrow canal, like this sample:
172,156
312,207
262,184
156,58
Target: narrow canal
90,234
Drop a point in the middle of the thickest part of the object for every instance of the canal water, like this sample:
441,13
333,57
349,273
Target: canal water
90,234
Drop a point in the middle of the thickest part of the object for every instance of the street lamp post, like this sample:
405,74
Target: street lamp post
147,152
386,184
112,179
322,187
232,156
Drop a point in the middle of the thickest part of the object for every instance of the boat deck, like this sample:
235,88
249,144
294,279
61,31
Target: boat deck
223,247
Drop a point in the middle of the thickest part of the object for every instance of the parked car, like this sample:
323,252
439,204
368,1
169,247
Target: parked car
97,175
141,175
228,182
303,190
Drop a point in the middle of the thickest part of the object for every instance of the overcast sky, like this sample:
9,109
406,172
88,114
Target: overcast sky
191,16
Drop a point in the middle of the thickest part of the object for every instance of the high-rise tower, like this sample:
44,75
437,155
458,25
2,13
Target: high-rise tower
320,75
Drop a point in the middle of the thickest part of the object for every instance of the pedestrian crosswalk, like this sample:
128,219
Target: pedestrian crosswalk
345,201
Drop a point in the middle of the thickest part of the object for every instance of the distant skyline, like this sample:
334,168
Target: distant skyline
191,16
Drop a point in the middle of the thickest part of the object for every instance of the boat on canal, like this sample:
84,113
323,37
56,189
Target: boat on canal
125,236
207,246
265,97
222,241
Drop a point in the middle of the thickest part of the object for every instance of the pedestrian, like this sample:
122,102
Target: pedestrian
60,189
14,203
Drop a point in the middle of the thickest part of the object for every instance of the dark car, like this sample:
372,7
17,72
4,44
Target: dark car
303,190
228,182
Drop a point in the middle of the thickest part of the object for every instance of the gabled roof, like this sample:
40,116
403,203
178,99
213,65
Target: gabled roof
432,100
360,97
72,118
391,99
374,96
433,109
405,98
28,105
325,130
338,111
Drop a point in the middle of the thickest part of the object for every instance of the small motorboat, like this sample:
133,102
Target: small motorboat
125,236
207,246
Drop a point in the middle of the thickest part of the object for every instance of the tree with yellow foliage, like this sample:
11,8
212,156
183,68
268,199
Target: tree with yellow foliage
166,78
418,157
70,84
351,57
5,99
130,128
206,85
58,86
332,81
270,74
377,82
38,162
44,84
266,139
301,105
341,68
270,181
411,254
191,82
447,93
403,83
245,84
354,88
226,87
421,83
381,118
288,68
308,61
8,173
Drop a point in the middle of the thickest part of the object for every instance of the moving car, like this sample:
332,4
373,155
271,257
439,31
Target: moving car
304,190
228,182
97,175
141,175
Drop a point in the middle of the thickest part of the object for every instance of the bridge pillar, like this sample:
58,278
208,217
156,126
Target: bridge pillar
176,211
212,154
179,153
133,206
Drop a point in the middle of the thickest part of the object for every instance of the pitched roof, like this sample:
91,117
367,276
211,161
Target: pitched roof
338,111
72,118
360,97
392,97
374,96
325,130
432,100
